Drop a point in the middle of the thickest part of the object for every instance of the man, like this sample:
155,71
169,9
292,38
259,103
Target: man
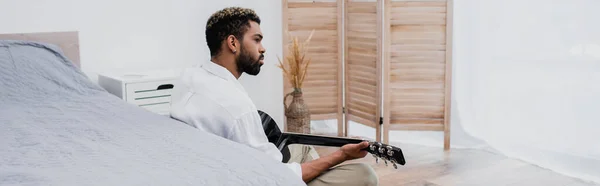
210,98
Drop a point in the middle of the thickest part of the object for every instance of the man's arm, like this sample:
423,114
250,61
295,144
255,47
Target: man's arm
312,169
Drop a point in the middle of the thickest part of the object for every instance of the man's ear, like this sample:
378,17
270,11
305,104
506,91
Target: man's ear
232,43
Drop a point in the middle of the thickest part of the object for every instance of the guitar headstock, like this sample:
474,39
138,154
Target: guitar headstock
387,153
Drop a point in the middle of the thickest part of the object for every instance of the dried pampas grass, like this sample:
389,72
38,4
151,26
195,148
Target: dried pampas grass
295,64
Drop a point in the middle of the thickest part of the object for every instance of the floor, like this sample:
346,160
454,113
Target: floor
432,166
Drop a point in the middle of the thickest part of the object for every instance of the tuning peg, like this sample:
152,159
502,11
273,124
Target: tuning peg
394,163
390,151
376,159
385,161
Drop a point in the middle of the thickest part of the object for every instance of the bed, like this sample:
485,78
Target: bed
59,128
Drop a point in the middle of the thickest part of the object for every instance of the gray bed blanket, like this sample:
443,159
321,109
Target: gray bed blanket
59,128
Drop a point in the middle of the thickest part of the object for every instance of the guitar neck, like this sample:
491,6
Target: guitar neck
288,138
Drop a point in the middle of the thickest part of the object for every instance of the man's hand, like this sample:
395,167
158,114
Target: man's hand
354,151
312,169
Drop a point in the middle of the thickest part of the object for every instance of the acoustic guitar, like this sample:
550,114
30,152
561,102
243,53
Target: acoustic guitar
283,139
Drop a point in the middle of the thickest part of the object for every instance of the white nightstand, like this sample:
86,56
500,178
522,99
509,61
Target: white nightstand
150,89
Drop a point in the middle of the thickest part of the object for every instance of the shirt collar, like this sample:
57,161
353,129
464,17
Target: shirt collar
218,70
222,72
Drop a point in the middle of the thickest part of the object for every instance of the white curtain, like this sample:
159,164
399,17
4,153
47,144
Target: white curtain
527,81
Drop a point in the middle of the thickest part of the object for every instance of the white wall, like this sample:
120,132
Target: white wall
141,34
527,81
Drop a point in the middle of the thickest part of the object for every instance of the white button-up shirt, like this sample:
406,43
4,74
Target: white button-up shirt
210,98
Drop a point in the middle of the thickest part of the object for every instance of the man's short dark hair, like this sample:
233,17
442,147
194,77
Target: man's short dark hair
229,21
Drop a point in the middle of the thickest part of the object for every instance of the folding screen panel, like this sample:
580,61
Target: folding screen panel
362,69
322,88
418,66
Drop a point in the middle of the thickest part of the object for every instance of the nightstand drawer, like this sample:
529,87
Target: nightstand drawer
153,92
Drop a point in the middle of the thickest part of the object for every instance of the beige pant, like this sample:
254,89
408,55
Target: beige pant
356,174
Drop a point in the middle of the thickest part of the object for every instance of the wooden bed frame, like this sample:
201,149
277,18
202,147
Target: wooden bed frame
67,41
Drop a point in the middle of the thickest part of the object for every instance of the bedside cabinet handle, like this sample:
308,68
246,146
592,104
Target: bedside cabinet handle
165,86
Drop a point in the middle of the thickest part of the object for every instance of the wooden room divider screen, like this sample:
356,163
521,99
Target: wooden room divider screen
385,64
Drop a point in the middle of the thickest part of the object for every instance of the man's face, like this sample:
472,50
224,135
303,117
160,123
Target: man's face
251,56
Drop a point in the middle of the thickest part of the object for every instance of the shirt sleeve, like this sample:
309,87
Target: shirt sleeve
248,130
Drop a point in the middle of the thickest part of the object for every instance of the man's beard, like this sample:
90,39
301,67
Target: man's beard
246,64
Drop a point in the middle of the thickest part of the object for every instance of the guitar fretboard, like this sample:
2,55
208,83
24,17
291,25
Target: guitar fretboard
319,140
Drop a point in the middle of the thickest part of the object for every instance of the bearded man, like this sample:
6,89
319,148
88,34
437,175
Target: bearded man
210,98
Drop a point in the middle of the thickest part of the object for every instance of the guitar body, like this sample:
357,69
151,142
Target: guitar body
283,139
274,134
